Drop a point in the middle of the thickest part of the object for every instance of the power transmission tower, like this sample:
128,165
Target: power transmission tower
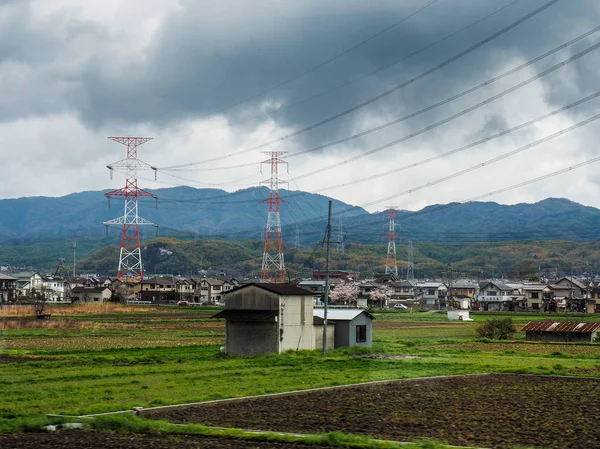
410,269
391,262
273,265
130,257
339,237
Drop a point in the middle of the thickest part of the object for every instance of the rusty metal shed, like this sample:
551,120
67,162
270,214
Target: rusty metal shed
560,331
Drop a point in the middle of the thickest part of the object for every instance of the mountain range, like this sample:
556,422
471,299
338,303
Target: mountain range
35,231
190,213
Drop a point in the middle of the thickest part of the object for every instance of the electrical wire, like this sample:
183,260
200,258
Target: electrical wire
324,63
456,174
385,93
371,73
445,101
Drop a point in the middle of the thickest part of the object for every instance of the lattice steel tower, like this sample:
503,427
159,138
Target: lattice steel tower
391,262
130,257
273,264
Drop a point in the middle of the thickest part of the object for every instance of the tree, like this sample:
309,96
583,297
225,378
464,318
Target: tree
497,329
38,300
344,293
381,295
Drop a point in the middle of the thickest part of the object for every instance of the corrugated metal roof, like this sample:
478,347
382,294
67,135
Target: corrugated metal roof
340,314
556,326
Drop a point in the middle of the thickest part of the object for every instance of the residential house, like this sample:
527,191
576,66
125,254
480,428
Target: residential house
433,294
497,296
186,289
8,288
366,287
570,294
266,318
316,287
463,293
344,275
539,297
561,332
404,291
23,278
212,289
159,289
90,294
593,303
53,286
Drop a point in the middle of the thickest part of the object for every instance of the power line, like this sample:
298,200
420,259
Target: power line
488,162
452,117
387,92
476,198
326,62
459,149
441,103
380,69
447,119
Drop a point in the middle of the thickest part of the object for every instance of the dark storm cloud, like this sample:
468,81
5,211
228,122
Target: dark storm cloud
209,55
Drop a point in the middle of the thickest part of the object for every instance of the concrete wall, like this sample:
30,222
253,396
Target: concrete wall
252,338
319,336
296,323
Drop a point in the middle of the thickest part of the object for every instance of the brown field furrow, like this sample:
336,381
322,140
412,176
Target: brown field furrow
496,411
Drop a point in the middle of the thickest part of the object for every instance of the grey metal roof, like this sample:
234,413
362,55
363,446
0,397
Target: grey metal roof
4,277
340,314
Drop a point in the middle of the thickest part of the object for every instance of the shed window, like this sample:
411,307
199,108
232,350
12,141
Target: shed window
361,333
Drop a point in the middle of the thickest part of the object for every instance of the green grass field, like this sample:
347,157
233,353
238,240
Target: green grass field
87,363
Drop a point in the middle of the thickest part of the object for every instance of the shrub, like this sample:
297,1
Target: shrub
497,329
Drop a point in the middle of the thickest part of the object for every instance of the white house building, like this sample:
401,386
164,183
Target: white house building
54,286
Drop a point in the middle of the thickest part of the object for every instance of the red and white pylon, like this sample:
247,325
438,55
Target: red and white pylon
130,257
273,264
391,262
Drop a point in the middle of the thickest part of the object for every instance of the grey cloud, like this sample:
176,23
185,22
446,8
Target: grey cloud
208,55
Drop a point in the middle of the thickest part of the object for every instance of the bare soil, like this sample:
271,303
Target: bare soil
100,440
496,411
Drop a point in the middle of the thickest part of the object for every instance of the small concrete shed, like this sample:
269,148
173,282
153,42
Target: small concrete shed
560,332
353,327
267,318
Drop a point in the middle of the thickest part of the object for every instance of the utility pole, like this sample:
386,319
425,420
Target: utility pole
273,265
391,261
130,257
326,294
74,247
450,288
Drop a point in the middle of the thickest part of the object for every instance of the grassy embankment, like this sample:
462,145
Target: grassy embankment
105,360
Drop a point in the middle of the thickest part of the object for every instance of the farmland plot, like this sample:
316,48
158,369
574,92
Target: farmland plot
490,410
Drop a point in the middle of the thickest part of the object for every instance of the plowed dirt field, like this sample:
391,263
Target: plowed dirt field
496,411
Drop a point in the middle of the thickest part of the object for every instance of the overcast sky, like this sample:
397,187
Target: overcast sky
73,73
